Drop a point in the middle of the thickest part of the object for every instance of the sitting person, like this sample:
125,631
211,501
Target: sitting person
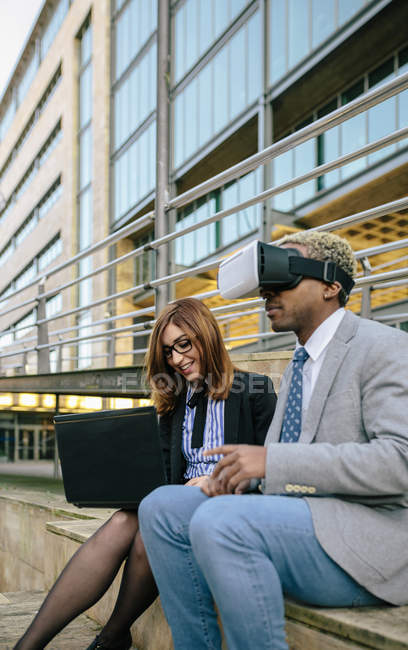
203,401
330,527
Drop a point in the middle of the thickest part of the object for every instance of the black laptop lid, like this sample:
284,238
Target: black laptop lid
110,459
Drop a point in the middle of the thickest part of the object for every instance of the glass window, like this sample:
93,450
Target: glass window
53,306
84,347
205,122
85,287
178,111
403,96
49,199
25,229
221,16
135,98
229,225
7,119
351,93
53,26
283,172
237,82
191,123
179,42
184,246
199,244
85,157
249,218
353,136
253,57
197,24
134,172
86,46
323,23
25,325
278,29
85,219
304,156
191,33
206,27
382,118
133,28
6,253
85,96
204,237
328,150
298,30
49,254
347,9
220,107
239,224
236,74
28,76
25,277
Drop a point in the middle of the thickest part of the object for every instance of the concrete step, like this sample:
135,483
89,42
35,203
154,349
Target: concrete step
17,610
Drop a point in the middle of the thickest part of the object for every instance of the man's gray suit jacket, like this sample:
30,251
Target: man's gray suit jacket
351,461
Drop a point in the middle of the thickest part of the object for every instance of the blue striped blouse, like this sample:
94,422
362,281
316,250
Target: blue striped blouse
197,464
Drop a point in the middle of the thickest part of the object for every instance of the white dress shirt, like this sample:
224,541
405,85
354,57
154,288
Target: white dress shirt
316,347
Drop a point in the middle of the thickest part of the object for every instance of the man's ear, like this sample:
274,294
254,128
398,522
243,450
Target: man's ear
331,290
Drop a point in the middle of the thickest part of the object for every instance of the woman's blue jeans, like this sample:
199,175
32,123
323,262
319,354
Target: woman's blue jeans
244,552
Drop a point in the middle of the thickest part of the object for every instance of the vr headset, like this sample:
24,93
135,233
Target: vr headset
264,266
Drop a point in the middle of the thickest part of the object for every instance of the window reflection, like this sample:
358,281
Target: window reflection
373,124
323,23
197,24
297,27
200,244
134,172
298,30
225,86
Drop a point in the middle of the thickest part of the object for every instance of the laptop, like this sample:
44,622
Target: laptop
110,459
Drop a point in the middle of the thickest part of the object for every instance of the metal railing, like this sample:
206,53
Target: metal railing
54,340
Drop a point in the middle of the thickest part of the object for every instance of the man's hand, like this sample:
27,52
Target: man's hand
233,472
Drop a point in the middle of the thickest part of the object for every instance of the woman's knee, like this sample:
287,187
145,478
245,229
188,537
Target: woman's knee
123,524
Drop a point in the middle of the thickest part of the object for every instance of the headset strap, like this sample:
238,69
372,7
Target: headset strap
326,271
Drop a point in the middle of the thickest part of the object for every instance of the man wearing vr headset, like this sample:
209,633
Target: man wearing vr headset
330,527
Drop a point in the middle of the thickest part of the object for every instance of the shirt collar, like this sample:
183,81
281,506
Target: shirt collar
322,336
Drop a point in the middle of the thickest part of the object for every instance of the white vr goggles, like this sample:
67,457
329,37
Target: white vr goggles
264,266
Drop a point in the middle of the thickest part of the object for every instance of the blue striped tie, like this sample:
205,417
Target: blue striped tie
292,419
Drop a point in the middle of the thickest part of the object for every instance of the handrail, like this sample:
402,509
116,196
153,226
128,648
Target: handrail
358,105
131,228
379,280
345,112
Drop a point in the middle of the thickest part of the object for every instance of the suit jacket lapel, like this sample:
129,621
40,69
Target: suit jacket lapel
336,351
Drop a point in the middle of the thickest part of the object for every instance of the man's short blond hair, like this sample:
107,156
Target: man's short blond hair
326,246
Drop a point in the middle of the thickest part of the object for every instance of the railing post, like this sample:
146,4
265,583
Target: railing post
43,355
366,291
111,351
162,150
59,355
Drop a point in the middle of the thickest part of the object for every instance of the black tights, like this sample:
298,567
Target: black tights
88,575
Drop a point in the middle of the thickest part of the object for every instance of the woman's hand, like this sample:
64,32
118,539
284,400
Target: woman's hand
198,480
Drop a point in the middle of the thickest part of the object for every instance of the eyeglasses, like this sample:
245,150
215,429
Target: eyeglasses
181,347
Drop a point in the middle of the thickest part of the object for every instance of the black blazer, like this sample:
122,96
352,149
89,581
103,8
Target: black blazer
248,413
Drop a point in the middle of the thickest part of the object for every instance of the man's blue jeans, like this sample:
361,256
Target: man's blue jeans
243,552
